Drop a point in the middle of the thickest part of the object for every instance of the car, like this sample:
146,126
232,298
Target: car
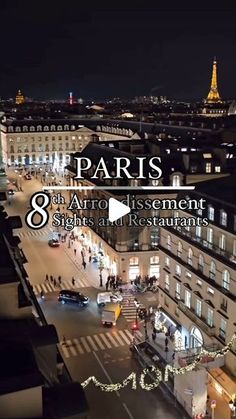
69,296
108,297
53,243
28,176
10,192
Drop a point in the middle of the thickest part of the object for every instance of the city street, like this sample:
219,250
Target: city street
89,348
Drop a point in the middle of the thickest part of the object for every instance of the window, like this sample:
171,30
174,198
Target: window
32,128
17,129
200,263
168,242
187,299
154,266
167,262
190,256
222,242
217,169
223,327
53,138
46,138
59,128
133,267
211,213
176,180
67,146
179,249
133,260
178,271
167,282
198,308
234,248
223,218
210,235
39,128
210,317
226,279
12,149
46,128
155,182
210,291
199,282
208,167
177,291
212,272
25,128
73,146
224,304
188,275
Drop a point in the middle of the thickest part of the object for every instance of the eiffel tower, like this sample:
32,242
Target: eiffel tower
213,95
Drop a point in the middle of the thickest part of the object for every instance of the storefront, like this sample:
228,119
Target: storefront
133,268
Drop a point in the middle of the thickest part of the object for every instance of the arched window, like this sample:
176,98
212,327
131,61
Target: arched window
59,128
18,129
25,128
176,180
46,128
200,263
190,256
212,272
32,128
225,279
39,127
66,127
12,149
179,249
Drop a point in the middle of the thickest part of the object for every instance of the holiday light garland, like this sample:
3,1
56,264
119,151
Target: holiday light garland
158,374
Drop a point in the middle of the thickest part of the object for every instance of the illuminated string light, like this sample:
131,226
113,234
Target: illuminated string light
169,369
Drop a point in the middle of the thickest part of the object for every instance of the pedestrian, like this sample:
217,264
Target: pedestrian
74,252
46,278
173,356
100,277
107,285
166,341
59,279
54,282
90,251
51,278
84,264
73,281
82,254
154,336
90,259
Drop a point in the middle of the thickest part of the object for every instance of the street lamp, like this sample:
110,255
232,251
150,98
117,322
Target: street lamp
232,404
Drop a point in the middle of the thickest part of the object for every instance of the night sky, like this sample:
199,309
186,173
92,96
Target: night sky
49,48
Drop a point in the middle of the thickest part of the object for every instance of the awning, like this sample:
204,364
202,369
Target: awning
226,382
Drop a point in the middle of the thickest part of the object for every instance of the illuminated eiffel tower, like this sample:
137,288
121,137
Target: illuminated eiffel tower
213,95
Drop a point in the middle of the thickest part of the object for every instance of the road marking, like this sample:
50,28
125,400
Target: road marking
105,371
105,340
83,340
78,346
129,334
127,411
65,350
112,340
118,338
71,347
92,343
124,337
99,342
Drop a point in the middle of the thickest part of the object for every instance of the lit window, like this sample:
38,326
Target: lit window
178,271
198,231
154,260
200,263
167,262
190,256
176,180
179,249
223,218
223,328
211,213
226,279
168,242
133,260
208,167
217,169
207,155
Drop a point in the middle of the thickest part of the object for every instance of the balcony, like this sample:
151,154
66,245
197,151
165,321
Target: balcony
201,322
202,243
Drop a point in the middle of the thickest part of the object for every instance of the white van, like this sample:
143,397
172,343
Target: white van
108,297
110,313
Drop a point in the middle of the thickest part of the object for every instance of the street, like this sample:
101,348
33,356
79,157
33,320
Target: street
89,348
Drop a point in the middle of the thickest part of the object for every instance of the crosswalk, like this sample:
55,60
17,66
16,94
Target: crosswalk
29,233
66,284
129,308
98,342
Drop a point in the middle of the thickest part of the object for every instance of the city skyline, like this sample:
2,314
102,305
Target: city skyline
103,53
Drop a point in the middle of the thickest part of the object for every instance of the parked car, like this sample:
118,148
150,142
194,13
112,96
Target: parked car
69,296
54,243
108,297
